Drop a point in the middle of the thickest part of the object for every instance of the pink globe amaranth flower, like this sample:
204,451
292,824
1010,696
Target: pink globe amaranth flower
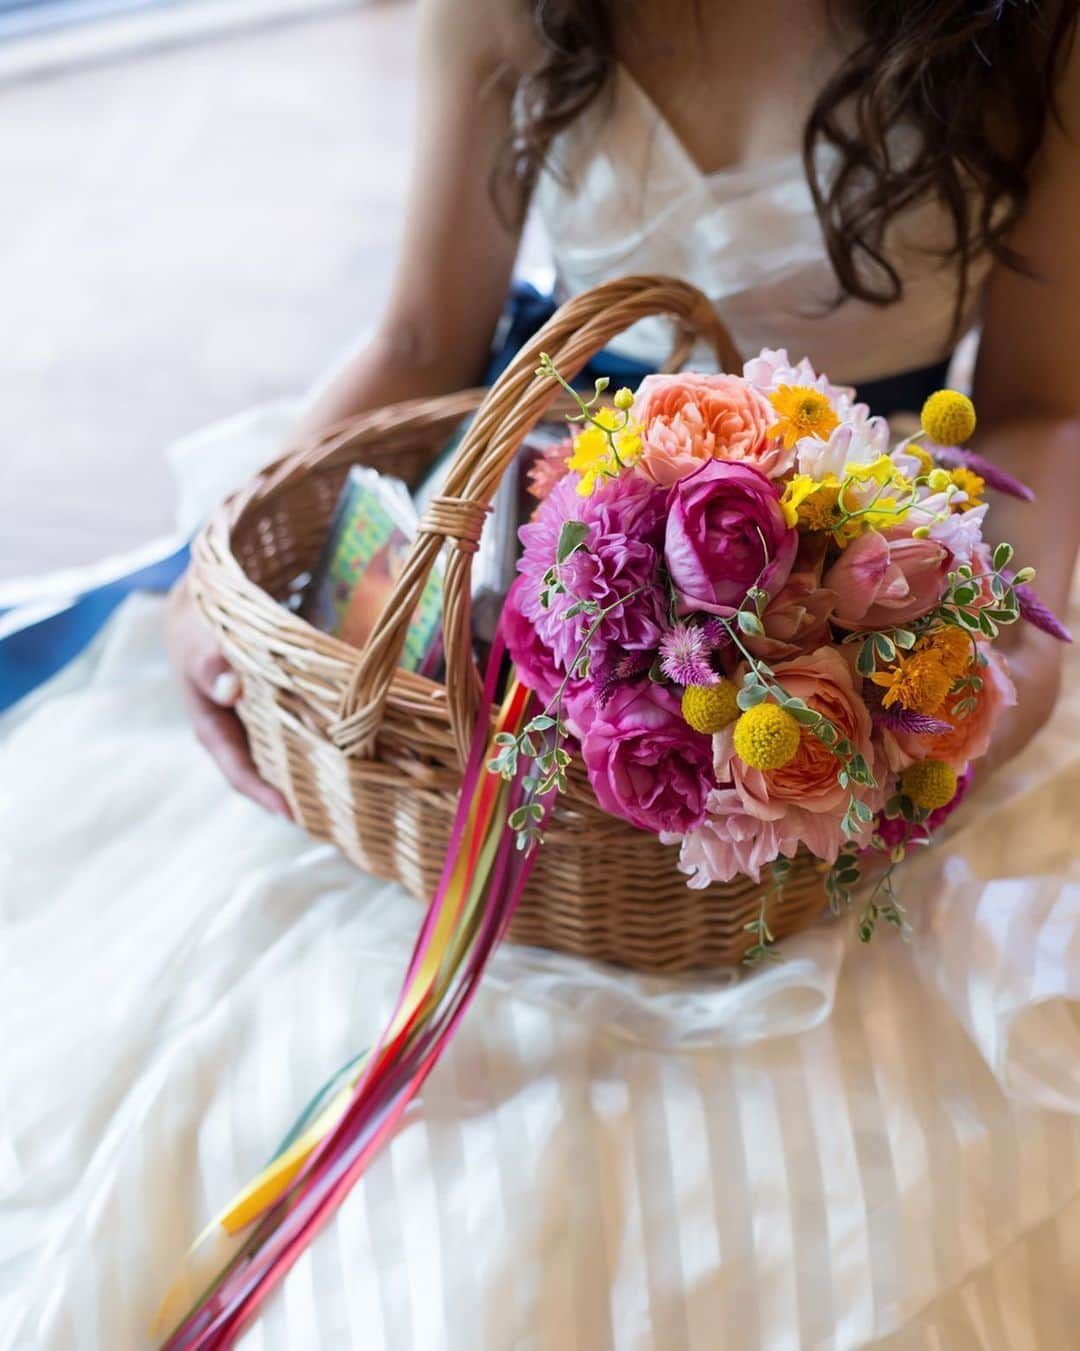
797,618
969,737
729,843
621,557
804,796
726,532
881,580
691,418
645,764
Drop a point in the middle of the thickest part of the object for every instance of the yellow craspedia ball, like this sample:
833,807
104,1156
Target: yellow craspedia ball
766,737
929,784
710,708
948,417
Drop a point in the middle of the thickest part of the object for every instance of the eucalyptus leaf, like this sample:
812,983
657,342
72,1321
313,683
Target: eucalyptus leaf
572,536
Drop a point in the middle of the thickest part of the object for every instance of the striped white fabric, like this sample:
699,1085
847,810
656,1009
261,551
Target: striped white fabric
873,1149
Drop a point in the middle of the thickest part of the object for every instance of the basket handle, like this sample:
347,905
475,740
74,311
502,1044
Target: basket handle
514,404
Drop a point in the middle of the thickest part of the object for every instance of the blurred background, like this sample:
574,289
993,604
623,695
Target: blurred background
201,205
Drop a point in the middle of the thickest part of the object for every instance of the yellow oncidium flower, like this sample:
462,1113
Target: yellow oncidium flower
813,505
798,489
593,457
803,411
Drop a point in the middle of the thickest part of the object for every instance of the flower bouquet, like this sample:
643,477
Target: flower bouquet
763,628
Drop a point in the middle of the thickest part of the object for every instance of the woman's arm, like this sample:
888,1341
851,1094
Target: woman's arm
449,287
457,254
1027,393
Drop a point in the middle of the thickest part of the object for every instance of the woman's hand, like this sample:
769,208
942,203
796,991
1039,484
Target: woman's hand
1035,661
211,688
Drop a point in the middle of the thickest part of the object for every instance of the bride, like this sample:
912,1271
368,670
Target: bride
879,1152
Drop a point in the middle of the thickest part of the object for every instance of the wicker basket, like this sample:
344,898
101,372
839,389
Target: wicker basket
368,755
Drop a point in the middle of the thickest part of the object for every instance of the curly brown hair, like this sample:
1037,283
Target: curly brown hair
974,81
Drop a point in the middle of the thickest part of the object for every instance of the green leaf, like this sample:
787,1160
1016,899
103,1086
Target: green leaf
806,717
749,622
904,639
884,647
540,723
826,732
1002,555
866,662
572,536
751,695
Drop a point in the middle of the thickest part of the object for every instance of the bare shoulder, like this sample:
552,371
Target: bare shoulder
492,36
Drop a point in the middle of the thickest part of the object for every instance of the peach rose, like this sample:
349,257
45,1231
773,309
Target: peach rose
970,737
804,795
687,419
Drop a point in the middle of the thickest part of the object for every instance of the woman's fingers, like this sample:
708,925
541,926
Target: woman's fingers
211,688
221,733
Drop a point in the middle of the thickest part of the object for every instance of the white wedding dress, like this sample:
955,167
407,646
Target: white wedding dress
859,1147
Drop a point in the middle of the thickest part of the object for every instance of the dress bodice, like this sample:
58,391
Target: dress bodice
622,194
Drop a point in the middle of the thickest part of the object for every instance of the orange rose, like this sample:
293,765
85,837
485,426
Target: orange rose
687,419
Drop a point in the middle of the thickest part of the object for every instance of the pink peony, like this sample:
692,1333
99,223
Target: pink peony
730,843
881,580
797,618
621,557
645,763
804,796
969,738
689,419
726,532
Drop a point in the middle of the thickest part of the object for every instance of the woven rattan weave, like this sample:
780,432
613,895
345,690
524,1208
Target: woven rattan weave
368,755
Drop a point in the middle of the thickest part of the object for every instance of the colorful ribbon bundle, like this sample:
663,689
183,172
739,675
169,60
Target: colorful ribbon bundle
255,1241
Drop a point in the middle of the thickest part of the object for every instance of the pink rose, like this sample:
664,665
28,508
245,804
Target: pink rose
644,763
726,532
688,419
970,736
797,618
804,796
881,580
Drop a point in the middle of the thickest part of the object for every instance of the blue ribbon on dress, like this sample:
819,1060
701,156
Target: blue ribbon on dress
34,653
